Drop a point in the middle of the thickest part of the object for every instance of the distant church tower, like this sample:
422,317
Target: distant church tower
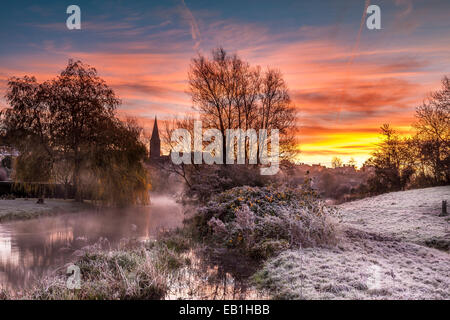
155,143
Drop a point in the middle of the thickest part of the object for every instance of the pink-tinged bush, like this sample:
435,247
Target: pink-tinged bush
263,221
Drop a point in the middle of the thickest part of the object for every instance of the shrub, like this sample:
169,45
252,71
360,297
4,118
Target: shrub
263,221
4,295
206,181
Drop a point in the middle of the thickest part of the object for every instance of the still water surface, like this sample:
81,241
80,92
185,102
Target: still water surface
33,248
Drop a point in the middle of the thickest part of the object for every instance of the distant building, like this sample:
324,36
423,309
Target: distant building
346,169
317,168
155,146
155,143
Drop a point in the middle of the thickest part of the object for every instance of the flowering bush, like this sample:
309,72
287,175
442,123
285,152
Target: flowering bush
264,220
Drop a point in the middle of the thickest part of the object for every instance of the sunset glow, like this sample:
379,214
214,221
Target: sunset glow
344,89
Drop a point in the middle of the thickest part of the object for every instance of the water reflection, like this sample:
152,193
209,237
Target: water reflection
212,276
33,248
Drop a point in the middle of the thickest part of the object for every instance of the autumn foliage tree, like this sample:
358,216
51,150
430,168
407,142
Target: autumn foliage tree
69,122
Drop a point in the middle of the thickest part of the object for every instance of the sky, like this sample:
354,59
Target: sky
344,79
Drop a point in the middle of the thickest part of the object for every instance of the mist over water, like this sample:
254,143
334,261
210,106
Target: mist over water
33,248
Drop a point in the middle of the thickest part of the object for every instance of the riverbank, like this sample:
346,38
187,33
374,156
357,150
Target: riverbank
171,267
198,261
24,209
240,247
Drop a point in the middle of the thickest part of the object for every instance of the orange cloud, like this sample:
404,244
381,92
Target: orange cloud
341,104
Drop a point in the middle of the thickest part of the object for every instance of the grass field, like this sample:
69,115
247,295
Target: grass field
384,253
20,209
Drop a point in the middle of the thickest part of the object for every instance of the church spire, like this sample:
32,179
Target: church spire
155,133
155,142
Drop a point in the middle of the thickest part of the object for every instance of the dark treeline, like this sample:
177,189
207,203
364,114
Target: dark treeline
421,160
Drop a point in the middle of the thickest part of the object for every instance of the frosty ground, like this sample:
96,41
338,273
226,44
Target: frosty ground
387,251
20,208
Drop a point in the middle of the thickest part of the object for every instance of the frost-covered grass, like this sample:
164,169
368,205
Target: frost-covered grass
21,209
381,254
363,267
407,215
133,271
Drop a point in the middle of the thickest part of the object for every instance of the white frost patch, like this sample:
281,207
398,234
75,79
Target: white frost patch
361,268
21,208
411,215
381,262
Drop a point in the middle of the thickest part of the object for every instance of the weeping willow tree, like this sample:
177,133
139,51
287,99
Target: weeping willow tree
118,174
66,131
33,171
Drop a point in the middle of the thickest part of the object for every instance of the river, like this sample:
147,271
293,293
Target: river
34,248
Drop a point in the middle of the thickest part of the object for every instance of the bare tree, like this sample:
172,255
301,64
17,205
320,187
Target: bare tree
230,94
336,162
352,162
433,132
393,162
